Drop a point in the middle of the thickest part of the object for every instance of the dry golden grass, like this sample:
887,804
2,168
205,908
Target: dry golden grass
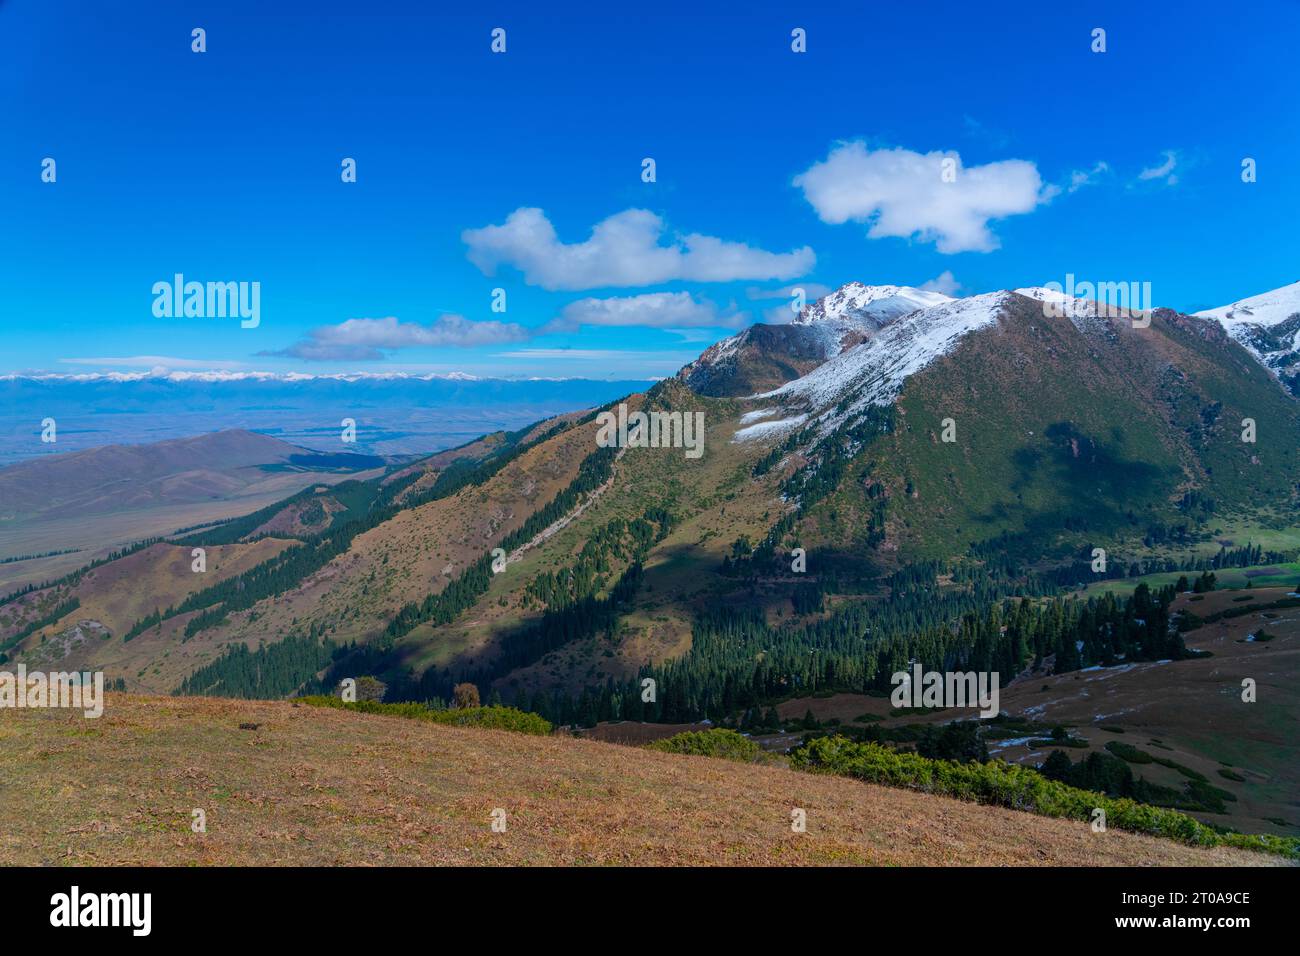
330,787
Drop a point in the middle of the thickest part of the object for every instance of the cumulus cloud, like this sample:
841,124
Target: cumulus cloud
1164,171
625,249
369,339
903,194
944,283
659,310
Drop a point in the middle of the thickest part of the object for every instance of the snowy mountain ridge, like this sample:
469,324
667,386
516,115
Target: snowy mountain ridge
1268,327
873,372
868,307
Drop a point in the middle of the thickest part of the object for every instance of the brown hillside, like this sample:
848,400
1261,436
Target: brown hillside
326,787
131,476
115,596
415,553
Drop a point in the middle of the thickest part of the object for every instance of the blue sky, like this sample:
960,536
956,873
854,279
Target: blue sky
478,171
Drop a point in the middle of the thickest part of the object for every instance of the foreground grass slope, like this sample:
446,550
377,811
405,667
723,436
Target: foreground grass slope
333,787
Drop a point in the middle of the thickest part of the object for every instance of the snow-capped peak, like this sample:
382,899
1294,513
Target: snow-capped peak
873,373
868,307
1268,327
1082,312
1267,308
1044,294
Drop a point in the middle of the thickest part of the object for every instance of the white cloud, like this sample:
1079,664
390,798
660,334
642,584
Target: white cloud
624,250
902,193
658,310
367,339
1164,171
944,282
779,314
694,336
1087,177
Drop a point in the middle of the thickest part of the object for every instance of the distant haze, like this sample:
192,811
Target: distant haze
393,415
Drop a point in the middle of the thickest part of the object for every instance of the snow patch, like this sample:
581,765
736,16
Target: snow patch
1267,308
1082,313
764,429
877,369
868,306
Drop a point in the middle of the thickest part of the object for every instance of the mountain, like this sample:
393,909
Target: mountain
861,306
765,356
124,477
90,502
947,470
1060,420
117,478
1267,326
873,372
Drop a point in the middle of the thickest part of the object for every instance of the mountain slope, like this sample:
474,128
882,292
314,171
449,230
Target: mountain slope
96,501
766,356
1058,423
1267,326
868,306
331,787
1070,431
117,477
762,357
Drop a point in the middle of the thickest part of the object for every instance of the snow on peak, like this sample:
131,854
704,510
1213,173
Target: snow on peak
1267,308
868,306
873,373
1044,294
1259,324
1082,312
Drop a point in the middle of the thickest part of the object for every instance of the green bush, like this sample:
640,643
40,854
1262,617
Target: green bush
495,718
717,742
1128,752
1018,788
